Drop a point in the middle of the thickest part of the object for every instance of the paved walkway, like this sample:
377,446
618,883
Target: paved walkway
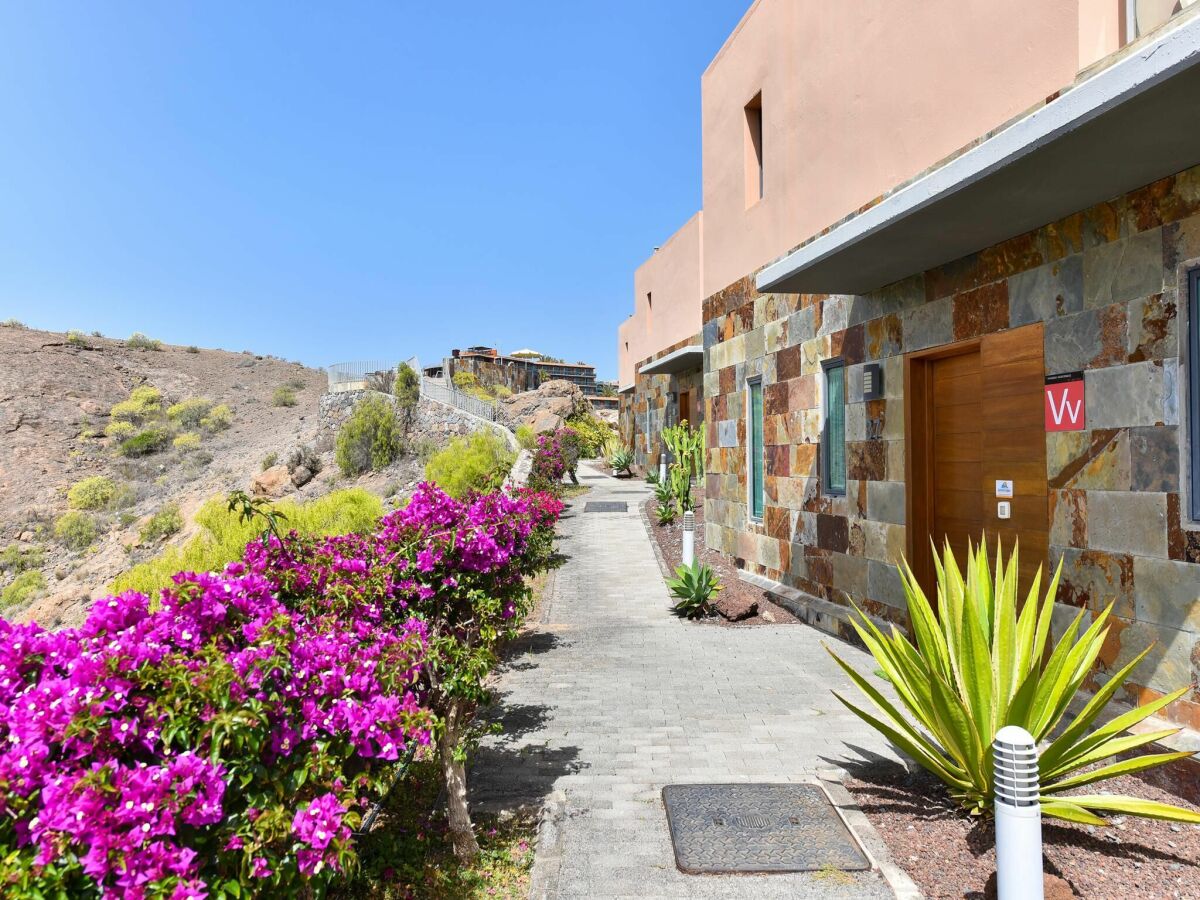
610,697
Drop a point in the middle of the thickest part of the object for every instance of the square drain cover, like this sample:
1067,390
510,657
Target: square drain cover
605,506
758,828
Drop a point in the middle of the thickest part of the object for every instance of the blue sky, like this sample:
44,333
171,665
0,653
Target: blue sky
344,181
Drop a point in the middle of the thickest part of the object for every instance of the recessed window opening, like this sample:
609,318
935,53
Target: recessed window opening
1193,384
754,447
755,177
833,438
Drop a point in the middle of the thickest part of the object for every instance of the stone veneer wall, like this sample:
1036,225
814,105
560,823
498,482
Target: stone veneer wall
647,409
491,373
1109,284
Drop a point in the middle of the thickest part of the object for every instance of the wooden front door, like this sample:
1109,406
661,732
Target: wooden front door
685,407
975,417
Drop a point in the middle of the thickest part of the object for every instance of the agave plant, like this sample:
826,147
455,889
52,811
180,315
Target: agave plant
977,663
621,459
695,586
666,513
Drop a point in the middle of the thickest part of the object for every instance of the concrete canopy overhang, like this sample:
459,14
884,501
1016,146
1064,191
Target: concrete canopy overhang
682,360
1123,127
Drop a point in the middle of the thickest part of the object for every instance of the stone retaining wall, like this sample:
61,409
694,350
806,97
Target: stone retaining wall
433,421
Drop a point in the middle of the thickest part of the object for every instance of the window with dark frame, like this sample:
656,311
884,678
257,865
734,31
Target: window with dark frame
833,439
754,446
1193,383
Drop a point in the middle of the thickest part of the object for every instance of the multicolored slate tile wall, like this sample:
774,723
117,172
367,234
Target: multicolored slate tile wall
1110,285
649,407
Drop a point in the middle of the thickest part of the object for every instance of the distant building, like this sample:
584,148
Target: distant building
516,372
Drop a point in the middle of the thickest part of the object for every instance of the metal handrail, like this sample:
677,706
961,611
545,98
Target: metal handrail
437,389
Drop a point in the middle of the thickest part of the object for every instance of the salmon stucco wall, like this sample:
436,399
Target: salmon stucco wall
1109,284
857,97
666,300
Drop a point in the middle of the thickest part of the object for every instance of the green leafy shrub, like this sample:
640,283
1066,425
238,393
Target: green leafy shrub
501,391
145,442
694,586
14,323
478,463
284,396
139,341
76,529
144,404
118,431
189,413
22,589
91,493
665,512
219,418
191,348
526,438
269,460
15,558
222,536
468,383
164,523
186,442
594,434
78,339
975,665
407,388
372,437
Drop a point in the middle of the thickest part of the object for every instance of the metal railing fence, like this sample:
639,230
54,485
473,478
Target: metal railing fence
437,389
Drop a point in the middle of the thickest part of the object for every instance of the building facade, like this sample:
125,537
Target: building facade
952,293
517,373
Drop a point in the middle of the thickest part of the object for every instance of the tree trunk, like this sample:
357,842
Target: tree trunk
462,835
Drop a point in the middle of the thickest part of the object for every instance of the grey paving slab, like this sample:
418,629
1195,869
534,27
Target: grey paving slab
610,697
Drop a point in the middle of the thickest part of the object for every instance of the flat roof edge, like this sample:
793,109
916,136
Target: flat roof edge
1175,51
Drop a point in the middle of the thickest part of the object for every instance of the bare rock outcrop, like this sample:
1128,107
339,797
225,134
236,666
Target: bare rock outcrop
546,408
273,482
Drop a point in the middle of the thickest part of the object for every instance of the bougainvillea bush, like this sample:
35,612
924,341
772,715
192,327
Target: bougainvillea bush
461,566
225,740
229,736
556,455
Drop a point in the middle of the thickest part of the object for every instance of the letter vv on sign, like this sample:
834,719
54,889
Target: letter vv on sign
1065,407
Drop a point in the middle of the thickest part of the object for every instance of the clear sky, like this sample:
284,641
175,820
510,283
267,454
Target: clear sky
333,181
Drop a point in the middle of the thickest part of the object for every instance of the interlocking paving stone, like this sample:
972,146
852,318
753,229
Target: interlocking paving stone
758,828
611,698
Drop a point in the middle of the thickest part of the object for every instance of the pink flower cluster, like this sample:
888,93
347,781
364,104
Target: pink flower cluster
237,727
132,748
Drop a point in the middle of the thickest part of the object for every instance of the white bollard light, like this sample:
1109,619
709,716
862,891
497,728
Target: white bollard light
1018,815
689,538
662,468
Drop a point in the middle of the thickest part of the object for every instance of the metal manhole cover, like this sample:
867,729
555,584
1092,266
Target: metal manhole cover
758,828
605,506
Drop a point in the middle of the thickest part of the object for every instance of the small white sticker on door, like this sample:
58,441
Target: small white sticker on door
1004,488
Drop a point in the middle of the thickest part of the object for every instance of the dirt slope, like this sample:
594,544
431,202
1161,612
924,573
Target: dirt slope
54,403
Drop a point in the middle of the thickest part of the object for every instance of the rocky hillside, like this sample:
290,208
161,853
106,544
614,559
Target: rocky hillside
56,396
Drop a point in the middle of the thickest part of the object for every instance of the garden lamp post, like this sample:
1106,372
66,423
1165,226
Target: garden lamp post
689,538
1018,815
662,468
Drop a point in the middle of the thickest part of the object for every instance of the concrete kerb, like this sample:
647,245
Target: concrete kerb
868,838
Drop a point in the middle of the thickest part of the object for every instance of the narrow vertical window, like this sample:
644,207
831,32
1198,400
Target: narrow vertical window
1193,376
754,441
833,450
754,151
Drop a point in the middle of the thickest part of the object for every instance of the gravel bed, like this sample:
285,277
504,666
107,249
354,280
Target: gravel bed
949,855
670,542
